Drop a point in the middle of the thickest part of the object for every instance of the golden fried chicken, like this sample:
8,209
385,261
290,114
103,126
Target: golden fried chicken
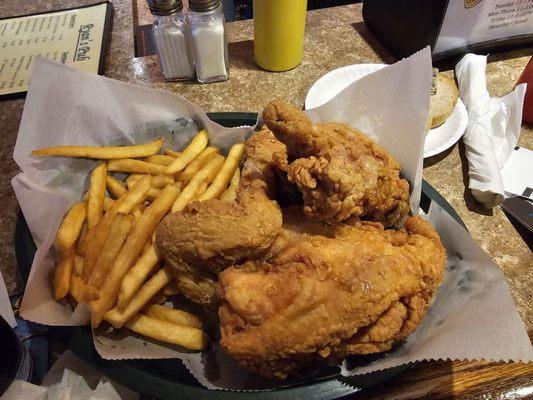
340,172
325,291
205,237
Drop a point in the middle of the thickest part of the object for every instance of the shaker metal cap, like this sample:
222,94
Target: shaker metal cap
203,5
164,7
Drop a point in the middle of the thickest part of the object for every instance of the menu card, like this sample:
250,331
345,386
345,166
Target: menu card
74,36
475,21
450,27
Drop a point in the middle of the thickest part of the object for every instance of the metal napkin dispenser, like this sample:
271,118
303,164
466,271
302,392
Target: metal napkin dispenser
450,27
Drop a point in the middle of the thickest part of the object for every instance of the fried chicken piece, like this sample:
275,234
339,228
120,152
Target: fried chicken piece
326,291
340,172
206,237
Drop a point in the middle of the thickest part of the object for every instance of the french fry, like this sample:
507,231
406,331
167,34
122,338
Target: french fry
132,179
136,214
131,249
197,145
135,196
118,318
115,187
159,159
81,239
186,336
146,247
118,232
81,291
108,203
206,174
171,289
179,317
62,275
200,190
135,166
78,265
70,228
95,196
226,172
152,194
230,194
96,237
106,152
160,181
94,241
136,276
172,153
192,169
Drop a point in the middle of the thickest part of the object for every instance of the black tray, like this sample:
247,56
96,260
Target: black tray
169,379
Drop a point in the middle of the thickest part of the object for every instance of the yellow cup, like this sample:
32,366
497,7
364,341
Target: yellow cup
279,29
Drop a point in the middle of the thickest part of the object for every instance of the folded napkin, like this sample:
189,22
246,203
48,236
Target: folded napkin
493,129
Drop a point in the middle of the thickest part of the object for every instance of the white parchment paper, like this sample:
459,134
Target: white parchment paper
65,106
5,305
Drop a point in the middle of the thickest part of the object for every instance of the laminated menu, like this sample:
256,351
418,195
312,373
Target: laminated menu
75,37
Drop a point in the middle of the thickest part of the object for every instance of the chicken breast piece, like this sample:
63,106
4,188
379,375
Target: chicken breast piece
327,291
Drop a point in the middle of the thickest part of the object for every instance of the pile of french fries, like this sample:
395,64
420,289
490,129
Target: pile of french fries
106,246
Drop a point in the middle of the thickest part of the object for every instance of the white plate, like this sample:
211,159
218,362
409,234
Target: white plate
437,140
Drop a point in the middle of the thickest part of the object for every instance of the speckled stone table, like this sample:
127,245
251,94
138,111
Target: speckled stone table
335,37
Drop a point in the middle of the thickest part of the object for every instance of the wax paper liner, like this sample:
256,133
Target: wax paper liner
65,106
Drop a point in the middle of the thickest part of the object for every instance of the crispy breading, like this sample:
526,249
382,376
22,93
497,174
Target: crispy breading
210,235
327,291
341,172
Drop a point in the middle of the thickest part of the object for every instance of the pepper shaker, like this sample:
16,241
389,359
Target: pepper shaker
208,38
170,35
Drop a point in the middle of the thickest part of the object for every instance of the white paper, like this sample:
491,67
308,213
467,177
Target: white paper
94,379
493,129
70,107
22,390
516,173
68,379
6,311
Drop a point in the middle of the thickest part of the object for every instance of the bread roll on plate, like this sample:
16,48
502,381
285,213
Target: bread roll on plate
443,101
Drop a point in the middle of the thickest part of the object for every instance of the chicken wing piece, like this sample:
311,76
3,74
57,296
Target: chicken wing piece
340,172
208,236
327,291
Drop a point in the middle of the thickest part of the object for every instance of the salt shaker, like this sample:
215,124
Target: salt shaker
208,38
170,35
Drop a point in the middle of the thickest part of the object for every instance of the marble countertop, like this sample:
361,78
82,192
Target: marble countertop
335,37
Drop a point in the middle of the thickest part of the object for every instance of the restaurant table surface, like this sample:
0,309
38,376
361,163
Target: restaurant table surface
335,37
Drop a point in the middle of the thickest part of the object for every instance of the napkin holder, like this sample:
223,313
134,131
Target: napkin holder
451,28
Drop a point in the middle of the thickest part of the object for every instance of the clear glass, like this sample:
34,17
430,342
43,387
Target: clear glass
208,38
170,35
